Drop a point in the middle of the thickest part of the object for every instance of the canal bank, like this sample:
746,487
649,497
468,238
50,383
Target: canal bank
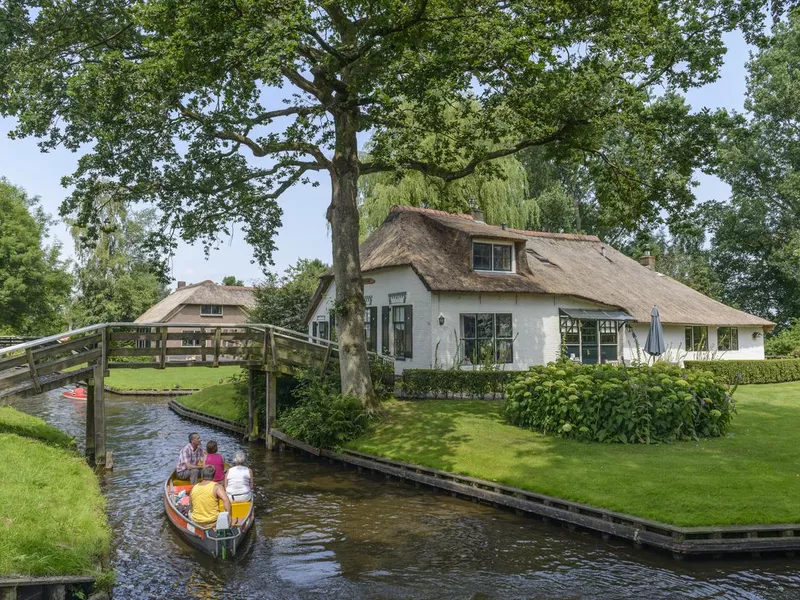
55,534
334,533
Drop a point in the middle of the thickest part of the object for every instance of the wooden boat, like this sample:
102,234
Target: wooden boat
78,393
219,544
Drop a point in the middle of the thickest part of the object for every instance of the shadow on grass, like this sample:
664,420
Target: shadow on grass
426,431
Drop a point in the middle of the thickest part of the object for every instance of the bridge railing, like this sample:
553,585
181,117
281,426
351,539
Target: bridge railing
57,360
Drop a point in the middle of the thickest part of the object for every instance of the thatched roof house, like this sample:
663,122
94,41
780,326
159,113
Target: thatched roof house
464,266
199,302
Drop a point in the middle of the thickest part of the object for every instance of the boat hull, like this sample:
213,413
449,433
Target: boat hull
222,544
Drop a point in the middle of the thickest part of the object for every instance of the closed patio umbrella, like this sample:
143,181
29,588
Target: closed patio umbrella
655,335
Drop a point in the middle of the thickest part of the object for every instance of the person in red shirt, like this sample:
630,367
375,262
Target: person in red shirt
212,458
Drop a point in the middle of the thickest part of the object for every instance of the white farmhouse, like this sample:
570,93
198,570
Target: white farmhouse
446,290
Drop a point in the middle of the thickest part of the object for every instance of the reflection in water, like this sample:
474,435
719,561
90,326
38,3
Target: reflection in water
323,531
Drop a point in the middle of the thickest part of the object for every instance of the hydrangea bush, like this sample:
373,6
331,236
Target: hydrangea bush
610,403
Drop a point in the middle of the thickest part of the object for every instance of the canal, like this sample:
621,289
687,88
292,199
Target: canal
326,532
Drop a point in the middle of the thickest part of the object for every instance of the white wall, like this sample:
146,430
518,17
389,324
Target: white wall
674,337
535,319
390,281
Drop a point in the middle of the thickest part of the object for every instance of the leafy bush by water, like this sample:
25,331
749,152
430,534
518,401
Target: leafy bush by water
323,417
608,403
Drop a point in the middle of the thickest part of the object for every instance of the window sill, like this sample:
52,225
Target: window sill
211,316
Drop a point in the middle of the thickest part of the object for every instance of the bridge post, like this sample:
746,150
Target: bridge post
90,438
252,409
272,405
99,415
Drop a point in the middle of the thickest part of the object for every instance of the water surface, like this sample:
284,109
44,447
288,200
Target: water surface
323,531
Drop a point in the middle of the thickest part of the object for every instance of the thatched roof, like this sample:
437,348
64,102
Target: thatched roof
205,292
438,246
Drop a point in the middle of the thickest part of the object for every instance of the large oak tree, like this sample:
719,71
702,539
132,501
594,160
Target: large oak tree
214,108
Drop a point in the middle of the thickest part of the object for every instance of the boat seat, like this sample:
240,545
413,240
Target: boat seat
239,510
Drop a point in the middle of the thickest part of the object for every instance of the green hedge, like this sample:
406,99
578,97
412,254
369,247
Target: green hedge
609,403
749,371
420,383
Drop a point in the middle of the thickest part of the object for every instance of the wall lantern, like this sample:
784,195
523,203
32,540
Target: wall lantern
756,335
441,319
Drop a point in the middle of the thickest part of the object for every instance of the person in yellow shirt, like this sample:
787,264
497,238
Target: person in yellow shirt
205,496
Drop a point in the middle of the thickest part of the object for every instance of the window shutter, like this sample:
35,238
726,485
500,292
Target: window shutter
332,319
373,329
385,310
409,331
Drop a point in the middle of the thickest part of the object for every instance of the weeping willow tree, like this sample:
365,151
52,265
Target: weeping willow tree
501,191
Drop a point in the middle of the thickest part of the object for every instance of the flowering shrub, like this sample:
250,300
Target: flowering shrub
609,403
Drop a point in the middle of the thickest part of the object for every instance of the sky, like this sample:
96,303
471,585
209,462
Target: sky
304,233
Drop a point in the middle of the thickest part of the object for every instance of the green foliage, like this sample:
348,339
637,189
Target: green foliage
34,282
115,279
756,233
608,403
178,111
749,371
284,301
450,383
20,423
323,417
784,343
231,280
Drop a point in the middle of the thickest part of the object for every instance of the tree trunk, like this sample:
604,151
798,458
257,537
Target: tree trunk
349,309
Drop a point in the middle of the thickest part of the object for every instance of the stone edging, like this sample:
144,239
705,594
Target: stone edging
680,541
173,392
206,418
52,587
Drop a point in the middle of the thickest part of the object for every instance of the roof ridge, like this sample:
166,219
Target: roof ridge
430,211
559,236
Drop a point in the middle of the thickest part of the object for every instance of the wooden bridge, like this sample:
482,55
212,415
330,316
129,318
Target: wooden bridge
87,354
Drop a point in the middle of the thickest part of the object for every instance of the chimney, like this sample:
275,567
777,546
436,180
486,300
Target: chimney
181,284
478,215
648,260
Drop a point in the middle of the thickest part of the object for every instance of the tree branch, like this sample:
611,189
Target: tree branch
451,175
257,149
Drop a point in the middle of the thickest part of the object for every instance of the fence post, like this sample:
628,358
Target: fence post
272,405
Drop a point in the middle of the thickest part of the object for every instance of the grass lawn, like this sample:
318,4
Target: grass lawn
53,520
750,476
217,400
169,378
20,423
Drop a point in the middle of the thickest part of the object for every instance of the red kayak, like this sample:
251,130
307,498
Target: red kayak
78,393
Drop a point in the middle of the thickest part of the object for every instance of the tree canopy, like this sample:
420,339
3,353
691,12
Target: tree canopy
114,278
756,234
283,300
232,280
213,110
34,281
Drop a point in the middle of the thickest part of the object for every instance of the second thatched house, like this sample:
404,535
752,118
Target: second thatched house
446,290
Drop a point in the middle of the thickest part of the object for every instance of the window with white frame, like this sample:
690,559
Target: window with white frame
696,338
727,338
489,256
487,337
190,342
588,340
211,310
399,331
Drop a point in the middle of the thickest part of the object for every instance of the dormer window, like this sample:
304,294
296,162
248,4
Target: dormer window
489,256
